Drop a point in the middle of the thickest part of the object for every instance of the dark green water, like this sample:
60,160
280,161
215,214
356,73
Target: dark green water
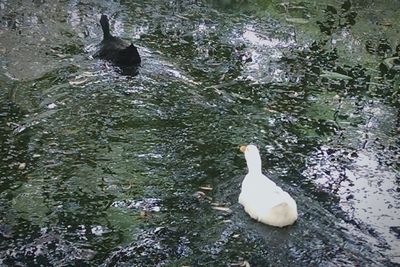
99,168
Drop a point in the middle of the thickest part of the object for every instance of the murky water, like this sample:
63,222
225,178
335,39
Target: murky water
100,168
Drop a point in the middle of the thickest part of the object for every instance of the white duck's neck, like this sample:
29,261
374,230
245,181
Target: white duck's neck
253,161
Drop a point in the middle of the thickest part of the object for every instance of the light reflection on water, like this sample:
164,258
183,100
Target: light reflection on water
371,198
363,179
119,161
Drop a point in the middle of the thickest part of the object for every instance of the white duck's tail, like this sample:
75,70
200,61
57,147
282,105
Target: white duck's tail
281,215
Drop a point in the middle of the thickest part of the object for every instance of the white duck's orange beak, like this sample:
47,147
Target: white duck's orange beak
242,149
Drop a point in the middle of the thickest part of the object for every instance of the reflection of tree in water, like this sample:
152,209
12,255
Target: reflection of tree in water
189,135
14,146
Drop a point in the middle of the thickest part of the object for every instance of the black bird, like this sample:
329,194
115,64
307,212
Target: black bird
115,49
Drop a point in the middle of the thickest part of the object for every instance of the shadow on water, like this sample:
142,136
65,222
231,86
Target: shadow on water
105,169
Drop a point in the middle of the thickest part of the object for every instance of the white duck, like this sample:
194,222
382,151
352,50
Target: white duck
261,198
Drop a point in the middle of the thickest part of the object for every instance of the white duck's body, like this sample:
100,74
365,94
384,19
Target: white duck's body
261,198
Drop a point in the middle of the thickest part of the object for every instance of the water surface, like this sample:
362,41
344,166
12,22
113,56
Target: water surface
101,168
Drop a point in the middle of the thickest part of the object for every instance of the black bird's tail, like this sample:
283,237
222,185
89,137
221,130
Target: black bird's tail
133,54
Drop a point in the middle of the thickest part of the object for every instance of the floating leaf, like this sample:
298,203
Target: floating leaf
51,106
240,264
206,188
22,166
297,20
78,82
224,209
389,62
335,76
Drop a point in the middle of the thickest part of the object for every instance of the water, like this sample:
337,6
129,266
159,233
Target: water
101,168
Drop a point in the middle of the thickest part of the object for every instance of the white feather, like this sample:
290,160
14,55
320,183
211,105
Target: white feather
261,198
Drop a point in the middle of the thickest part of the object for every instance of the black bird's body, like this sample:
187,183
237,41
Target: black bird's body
115,49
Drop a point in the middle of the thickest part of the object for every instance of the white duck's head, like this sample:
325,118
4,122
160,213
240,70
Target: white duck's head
253,158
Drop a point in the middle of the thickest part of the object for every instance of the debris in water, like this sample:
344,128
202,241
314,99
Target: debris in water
297,20
77,82
240,264
206,188
199,194
223,209
22,166
51,106
334,75
99,230
202,196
